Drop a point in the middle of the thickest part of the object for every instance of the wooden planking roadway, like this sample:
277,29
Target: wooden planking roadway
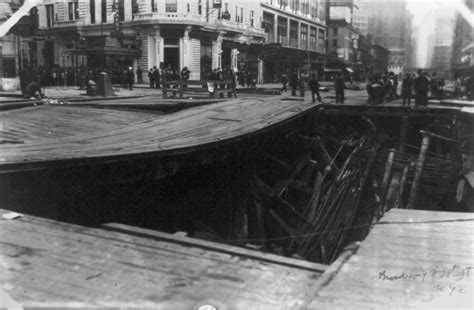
411,260
44,263
174,133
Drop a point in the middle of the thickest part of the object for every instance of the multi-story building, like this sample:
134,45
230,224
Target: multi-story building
199,34
296,36
462,58
440,61
10,56
389,25
360,18
264,37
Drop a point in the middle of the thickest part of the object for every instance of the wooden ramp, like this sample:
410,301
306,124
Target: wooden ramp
50,264
33,124
410,260
177,133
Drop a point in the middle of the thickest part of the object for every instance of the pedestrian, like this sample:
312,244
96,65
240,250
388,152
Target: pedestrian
339,86
470,88
33,91
151,78
284,81
434,85
139,76
156,77
130,78
314,87
294,83
407,89
302,85
421,86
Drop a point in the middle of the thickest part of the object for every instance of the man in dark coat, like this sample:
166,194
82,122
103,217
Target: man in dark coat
339,86
421,86
314,86
156,77
139,75
151,78
294,83
407,89
130,78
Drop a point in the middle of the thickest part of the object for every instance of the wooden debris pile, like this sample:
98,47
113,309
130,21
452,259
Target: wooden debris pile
310,210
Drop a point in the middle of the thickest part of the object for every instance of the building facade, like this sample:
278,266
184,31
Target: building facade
390,26
10,56
202,34
296,37
462,58
264,37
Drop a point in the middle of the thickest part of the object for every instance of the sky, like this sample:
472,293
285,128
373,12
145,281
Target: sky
424,22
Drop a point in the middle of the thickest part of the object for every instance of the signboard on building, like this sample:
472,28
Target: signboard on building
340,53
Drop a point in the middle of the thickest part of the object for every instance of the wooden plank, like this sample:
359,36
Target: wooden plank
420,264
44,263
275,259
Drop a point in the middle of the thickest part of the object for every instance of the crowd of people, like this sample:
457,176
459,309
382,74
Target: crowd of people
419,86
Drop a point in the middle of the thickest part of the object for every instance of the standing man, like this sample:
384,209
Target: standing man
130,78
407,87
139,75
421,85
156,77
284,81
314,86
434,85
294,83
150,77
339,86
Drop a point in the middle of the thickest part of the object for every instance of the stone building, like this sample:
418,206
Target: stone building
199,34
296,37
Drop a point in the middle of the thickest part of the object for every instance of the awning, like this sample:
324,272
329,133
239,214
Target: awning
116,51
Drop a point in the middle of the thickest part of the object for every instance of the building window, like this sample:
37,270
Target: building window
304,37
312,39
92,10
171,6
103,10
236,14
241,15
334,42
252,18
49,15
334,32
154,6
294,34
73,10
121,10
135,7
321,40
200,7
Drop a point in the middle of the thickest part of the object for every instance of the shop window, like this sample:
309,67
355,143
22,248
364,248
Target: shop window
171,6
9,67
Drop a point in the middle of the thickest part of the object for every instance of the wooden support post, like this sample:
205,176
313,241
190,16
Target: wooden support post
403,180
181,88
403,133
419,169
392,193
386,177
